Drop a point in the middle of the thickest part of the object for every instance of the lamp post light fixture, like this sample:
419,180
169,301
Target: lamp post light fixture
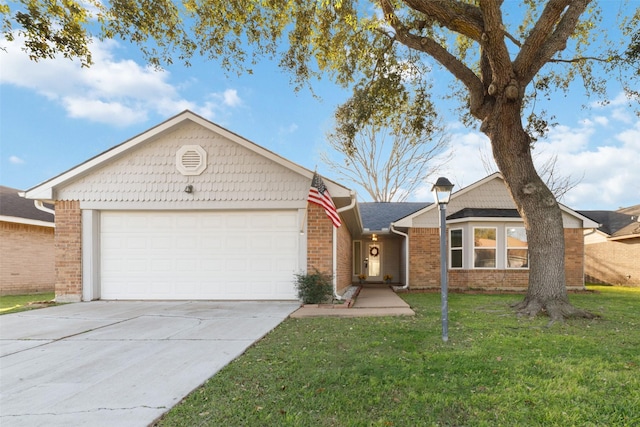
442,193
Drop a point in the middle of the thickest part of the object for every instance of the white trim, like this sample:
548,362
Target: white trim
90,255
473,249
507,247
197,205
26,221
451,248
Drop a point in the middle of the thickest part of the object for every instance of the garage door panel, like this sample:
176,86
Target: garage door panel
199,255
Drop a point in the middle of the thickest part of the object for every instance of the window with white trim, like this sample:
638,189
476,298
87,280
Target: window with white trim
517,248
484,247
357,257
455,248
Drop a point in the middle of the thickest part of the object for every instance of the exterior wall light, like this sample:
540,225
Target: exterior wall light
188,189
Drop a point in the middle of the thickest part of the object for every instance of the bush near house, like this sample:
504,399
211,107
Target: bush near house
314,288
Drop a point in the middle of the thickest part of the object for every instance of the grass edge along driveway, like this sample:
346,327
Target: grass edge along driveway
496,369
17,303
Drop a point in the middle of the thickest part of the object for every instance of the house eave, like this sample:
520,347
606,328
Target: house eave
26,221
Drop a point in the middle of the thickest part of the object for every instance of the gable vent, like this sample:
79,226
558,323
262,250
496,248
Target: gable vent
191,160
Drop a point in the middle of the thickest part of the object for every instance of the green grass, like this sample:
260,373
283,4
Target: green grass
16,303
496,369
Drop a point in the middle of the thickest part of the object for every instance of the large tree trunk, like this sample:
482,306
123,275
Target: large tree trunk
538,208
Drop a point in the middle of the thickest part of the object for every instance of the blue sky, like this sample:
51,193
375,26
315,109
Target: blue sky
55,114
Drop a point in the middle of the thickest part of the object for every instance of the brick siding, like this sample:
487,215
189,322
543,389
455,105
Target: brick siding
319,240
27,262
425,266
614,262
344,259
320,247
68,251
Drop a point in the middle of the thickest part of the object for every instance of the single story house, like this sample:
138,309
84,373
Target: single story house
189,210
27,263
612,251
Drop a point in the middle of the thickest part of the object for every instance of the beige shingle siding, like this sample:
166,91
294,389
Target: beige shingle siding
149,173
490,195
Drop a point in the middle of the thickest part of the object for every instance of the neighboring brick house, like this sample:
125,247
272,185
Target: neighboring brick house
612,251
189,210
26,245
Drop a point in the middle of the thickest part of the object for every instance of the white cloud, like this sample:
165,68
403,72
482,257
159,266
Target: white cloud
231,98
15,160
602,156
114,91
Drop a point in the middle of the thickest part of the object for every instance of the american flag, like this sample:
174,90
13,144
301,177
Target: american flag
319,195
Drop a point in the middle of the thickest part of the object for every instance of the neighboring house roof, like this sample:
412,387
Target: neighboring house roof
623,223
14,208
379,215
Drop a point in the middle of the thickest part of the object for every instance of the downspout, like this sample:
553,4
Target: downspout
406,258
40,206
335,247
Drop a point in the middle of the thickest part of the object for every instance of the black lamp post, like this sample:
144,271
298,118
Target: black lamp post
442,193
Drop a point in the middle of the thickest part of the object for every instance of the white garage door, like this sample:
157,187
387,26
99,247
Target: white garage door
199,255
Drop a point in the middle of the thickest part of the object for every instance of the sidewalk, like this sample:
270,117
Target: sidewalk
371,302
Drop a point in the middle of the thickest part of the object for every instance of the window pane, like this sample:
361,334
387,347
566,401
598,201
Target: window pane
484,258
456,238
357,257
517,258
484,237
516,237
456,258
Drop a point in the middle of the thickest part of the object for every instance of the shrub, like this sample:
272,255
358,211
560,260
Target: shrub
314,288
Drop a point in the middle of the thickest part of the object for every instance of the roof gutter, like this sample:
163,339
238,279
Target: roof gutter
406,257
335,247
40,206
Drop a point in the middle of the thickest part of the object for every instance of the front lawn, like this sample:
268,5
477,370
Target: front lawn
15,303
496,369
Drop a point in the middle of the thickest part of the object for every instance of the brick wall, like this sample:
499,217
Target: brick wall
344,259
27,262
574,258
319,240
614,262
424,265
68,251
424,258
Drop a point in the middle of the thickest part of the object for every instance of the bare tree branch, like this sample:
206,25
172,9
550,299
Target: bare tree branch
388,171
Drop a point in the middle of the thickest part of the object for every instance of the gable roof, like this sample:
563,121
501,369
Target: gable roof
483,212
14,208
47,190
379,215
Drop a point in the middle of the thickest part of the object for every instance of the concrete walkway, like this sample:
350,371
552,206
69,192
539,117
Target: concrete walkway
370,302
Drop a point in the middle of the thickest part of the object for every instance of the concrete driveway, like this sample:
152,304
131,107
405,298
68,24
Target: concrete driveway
119,363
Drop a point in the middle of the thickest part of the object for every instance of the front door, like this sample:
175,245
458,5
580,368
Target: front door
374,262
